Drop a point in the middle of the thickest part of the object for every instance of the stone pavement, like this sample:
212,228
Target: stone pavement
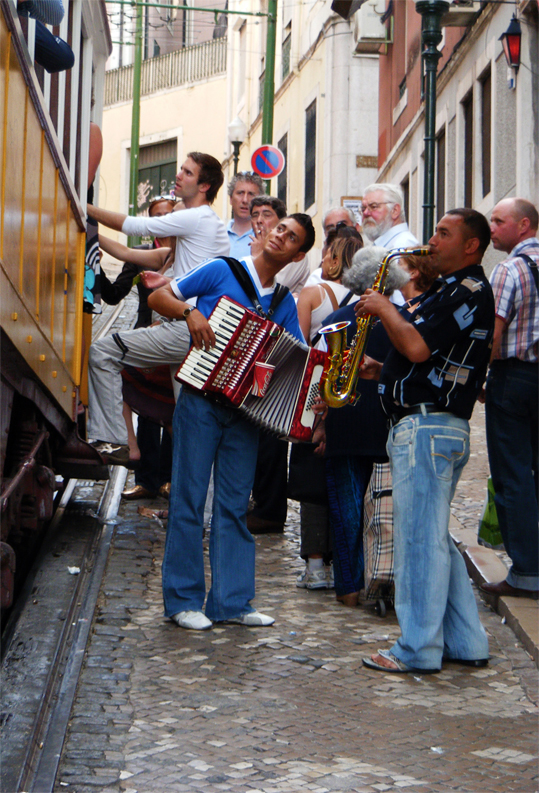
288,708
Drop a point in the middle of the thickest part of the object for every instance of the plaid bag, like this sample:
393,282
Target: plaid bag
378,534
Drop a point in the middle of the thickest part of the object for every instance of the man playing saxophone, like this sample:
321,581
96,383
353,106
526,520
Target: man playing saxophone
428,386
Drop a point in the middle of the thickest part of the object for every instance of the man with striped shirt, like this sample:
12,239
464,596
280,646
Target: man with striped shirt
512,393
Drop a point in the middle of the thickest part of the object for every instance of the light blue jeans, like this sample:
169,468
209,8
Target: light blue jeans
434,600
205,434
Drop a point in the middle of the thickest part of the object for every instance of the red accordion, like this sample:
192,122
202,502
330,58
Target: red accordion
260,368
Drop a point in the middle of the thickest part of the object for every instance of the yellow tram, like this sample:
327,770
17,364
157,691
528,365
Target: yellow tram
44,145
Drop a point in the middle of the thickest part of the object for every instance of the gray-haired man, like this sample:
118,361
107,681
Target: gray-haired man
383,218
242,188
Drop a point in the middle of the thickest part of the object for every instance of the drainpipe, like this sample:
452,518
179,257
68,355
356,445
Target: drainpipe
135,120
431,12
269,79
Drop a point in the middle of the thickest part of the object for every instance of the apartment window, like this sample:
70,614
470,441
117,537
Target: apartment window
486,122
440,175
405,187
121,42
287,45
310,155
467,108
402,88
146,34
282,179
242,61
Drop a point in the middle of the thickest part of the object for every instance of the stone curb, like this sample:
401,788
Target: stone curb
521,614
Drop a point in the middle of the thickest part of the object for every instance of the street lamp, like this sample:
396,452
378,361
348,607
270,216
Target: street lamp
236,135
346,8
511,43
431,12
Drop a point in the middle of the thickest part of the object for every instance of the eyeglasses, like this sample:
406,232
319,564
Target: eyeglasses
372,207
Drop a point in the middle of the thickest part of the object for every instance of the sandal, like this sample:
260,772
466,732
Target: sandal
400,667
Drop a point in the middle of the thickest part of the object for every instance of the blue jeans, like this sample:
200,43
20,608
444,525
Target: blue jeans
205,434
434,599
347,481
511,411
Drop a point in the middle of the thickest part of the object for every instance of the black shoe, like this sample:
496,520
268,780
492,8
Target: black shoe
477,663
504,589
261,526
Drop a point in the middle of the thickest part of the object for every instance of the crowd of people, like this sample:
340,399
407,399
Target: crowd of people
437,327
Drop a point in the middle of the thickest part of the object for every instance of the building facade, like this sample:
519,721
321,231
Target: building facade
165,28
325,108
487,119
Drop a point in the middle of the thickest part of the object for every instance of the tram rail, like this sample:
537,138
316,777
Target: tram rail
44,641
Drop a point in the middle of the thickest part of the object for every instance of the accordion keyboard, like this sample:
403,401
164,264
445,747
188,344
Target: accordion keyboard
239,334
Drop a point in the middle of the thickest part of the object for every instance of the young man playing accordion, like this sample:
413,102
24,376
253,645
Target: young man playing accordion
207,433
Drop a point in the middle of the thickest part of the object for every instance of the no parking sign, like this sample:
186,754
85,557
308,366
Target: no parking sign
267,161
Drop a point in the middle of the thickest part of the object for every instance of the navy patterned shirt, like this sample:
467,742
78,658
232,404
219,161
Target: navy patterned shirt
455,318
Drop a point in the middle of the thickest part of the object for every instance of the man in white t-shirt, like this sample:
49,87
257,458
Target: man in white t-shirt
200,235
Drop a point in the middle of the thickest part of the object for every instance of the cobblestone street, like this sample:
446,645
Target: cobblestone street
287,708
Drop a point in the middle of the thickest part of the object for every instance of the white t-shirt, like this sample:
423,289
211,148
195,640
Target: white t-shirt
294,275
200,233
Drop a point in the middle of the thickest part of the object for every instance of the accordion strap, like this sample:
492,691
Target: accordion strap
244,280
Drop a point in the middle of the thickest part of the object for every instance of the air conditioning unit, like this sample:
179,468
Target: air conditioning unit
461,13
368,29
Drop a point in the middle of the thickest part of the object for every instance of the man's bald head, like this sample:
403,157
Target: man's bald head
525,209
512,221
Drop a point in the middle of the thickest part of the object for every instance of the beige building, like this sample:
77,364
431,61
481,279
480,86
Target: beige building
325,109
182,104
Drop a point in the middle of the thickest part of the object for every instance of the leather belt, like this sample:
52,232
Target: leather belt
414,410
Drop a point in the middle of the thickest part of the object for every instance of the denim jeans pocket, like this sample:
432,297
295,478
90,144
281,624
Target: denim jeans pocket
403,433
446,451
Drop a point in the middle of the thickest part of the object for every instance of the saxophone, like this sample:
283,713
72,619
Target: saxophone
338,385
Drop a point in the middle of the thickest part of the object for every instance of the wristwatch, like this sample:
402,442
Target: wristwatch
187,311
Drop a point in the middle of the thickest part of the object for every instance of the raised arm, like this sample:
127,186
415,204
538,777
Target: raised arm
403,336
151,259
113,220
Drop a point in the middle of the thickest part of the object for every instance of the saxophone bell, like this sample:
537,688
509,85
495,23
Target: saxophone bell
337,327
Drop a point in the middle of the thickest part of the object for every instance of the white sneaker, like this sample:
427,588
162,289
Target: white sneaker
192,620
313,579
253,620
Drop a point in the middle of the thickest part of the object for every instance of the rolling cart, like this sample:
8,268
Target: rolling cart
378,540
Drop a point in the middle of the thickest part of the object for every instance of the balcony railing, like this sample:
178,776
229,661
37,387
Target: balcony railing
187,65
